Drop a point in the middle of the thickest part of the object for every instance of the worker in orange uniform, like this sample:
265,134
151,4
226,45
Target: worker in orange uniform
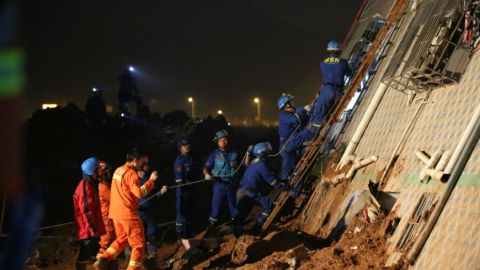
126,191
104,189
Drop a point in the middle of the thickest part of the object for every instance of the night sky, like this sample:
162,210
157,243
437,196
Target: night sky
223,53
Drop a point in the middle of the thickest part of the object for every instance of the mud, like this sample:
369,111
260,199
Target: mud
362,246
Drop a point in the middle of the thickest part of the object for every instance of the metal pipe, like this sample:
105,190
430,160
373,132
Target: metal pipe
362,126
470,144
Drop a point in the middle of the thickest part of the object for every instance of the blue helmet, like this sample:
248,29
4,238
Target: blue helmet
90,165
334,46
283,100
182,142
262,149
220,134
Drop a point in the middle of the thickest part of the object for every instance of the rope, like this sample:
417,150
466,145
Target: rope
56,226
293,133
156,194
165,224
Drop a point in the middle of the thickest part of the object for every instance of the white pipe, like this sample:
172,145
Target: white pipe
443,161
430,164
463,141
360,164
362,126
422,156
438,172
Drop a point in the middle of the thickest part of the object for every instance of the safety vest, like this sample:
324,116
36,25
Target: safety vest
224,165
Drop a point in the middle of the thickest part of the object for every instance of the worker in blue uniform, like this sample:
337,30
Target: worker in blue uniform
290,121
254,185
221,167
334,71
183,205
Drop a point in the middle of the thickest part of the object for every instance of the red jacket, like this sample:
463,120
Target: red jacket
87,210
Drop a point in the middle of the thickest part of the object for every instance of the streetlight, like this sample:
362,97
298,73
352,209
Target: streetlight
131,68
257,101
190,99
220,112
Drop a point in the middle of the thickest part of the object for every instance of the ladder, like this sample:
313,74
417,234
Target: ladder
313,150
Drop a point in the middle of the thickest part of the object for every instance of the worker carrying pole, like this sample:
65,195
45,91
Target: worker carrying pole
126,191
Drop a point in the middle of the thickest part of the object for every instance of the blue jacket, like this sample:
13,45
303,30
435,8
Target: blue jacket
288,122
183,169
256,173
334,71
222,164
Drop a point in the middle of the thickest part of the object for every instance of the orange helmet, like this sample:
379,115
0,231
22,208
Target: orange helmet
103,169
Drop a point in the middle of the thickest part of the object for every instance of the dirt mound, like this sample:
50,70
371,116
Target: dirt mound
362,246
240,254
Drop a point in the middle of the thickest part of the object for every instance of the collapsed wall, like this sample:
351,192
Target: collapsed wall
427,89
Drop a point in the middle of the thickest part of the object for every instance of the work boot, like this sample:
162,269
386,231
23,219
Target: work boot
101,264
257,229
151,250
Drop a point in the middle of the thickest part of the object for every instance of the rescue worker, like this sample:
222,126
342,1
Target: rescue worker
105,181
146,213
221,167
183,205
334,70
290,121
253,186
88,214
126,190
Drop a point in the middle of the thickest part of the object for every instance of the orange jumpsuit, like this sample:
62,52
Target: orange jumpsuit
106,239
126,191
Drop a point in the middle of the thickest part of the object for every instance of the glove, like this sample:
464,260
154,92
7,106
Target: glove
208,176
163,190
308,108
249,150
284,187
154,176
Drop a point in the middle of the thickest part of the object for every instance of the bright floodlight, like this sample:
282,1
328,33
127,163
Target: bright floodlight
49,106
122,115
190,99
256,100
220,112
131,69
94,89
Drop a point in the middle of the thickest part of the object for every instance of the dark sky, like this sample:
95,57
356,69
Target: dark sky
223,53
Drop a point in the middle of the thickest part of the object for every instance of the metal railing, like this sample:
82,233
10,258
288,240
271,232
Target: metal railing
431,54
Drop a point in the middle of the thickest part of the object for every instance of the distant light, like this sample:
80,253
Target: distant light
229,124
190,99
256,100
131,69
219,112
49,106
122,115
94,89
